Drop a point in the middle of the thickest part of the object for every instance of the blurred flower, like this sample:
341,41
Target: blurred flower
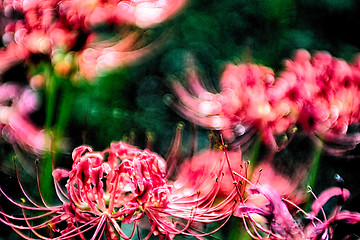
143,13
101,56
317,92
289,187
16,104
326,87
246,104
123,185
278,223
48,26
39,31
205,165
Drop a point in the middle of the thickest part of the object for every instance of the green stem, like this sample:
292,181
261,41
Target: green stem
255,151
54,128
50,96
254,156
46,185
64,109
315,166
313,172
238,231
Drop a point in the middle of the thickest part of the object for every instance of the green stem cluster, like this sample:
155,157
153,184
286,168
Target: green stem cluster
59,95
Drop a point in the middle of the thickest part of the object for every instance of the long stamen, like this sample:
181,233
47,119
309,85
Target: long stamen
60,193
119,231
20,185
31,228
322,209
233,173
100,227
38,183
37,208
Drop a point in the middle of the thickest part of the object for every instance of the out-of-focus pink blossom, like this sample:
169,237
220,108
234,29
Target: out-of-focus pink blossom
289,187
38,32
204,166
327,88
143,13
11,56
245,104
48,26
252,84
102,56
276,221
318,92
16,104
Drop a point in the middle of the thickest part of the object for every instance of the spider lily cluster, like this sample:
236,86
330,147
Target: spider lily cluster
60,27
315,93
123,185
126,185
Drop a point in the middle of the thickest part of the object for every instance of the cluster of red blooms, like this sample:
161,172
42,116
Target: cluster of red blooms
126,185
317,93
122,185
47,27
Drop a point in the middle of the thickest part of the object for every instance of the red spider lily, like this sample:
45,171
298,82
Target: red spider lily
327,88
288,187
274,221
318,92
101,56
202,167
134,181
16,103
40,31
123,185
143,13
246,104
49,26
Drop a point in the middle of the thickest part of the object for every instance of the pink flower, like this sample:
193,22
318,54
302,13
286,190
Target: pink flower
276,221
318,92
54,26
39,32
327,88
204,166
245,104
11,56
122,185
288,187
16,104
118,184
101,56
143,13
